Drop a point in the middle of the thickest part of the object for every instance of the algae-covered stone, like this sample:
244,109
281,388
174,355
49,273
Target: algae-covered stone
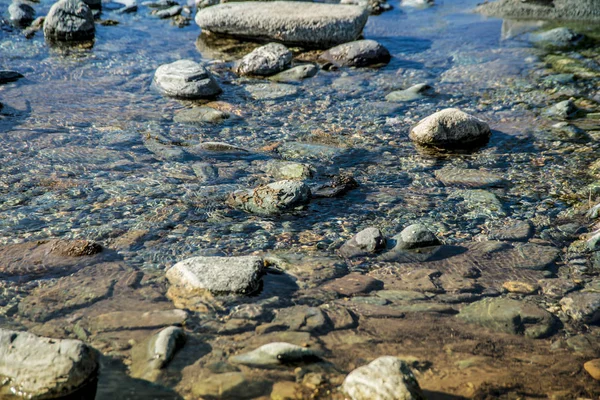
450,128
44,368
273,198
510,316
217,274
289,22
386,378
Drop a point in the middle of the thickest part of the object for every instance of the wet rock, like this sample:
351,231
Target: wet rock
580,67
582,307
21,14
156,352
217,274
9,76
338,186
565,109
480,203
271,199
386,378
295,74
340,317
168,12
473,178
556,9
402,295
535,256
367,241
228,385
276,354
265,60
288,170
520,287
205,172
69,20
558,38
557,288
510,316
517,231
291,23
353,284
132,320
450,128
414,92
271,91
309,151
303,319
415,236
565,132
44,368
200,114
593,368
185,79
361,53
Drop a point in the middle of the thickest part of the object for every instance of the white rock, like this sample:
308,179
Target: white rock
450,128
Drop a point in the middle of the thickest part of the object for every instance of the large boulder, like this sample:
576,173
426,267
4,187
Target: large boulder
69,20
450,128
266,60
360,53
44,368
386,378
588,10
218,275
185,79
289,22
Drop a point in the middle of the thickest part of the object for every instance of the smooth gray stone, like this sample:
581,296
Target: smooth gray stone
415,236
21,14
386,378
289,22
217,275
44,367
265,60
276,354
198,115
360,53
169,12
584,10
450,128
415,92
271,91
296,74
69,20
369,240
185,79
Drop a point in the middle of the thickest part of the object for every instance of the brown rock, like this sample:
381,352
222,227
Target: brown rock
520,287
593,368
353,284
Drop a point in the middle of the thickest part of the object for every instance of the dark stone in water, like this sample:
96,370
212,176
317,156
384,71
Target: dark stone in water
338,186
9,76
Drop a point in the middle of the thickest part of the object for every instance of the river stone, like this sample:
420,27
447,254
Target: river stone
185,79
9,76
217,274
585,10
270,199
289,22
564,110
134,320
69,20
295,74
156,352
360,53
558,38
303,319
518,231
169,12
386,378
20,13
473,178
228,385
276,354
582,307
353,284
265,60
414,92
288,170
270,91
415,236
510,316
198,115
450,128
369,240
44,368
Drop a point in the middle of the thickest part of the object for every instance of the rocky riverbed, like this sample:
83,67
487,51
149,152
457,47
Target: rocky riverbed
366,200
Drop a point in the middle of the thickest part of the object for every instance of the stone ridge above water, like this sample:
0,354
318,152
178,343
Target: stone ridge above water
289,22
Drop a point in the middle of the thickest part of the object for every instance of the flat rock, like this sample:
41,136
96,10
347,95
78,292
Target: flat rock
69,20
450,128
584,10
185,79
557,38
44,368
292,23
265,60
217,274
198,115
271,199
582,307
510,316
360,53
473,178
353,284
386,378
517,231
296,74
276,354
133,320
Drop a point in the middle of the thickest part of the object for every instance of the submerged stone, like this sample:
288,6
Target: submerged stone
156,352
295,74
361,53
273,198
582,307
276,354
543,9
415,92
